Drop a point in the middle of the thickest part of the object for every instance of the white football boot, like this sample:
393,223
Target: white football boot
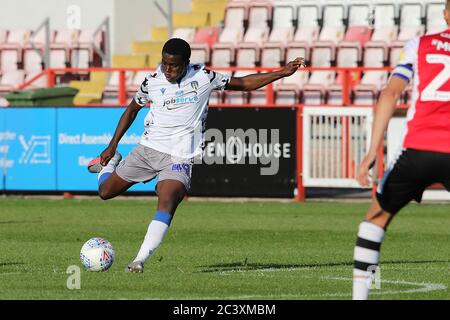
94,165
135,267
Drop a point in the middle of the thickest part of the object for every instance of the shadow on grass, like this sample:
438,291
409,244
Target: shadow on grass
248,266
5,264
20,221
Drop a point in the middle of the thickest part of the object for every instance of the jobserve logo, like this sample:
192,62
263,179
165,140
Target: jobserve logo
181,99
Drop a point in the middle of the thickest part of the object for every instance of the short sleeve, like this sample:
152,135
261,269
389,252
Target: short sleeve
408,58
142,97
218,80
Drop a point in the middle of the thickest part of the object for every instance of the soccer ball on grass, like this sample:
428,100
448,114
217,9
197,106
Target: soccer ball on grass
97,254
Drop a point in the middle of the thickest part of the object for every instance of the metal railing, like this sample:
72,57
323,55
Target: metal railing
347,81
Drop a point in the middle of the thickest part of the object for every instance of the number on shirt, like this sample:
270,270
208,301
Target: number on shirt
431,92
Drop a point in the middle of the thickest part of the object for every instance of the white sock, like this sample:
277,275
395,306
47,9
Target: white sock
155,233
109,168
366,256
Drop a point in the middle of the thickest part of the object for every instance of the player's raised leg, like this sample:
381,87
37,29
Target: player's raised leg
110,184
170,194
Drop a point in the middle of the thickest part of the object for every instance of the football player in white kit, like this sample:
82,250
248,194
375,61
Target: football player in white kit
173,134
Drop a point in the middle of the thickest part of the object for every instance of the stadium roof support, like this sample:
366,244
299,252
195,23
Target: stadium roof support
106,54
46,54
168,15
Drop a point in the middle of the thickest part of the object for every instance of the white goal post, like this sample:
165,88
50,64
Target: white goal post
335,139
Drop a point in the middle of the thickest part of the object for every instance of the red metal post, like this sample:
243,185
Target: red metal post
346,87
300,196
269,94
347,146
50,78
122,88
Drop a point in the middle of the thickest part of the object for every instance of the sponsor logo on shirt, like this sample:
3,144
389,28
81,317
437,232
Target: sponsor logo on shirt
181,99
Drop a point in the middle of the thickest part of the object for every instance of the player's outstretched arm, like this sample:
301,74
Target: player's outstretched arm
125,122
383,112
255,81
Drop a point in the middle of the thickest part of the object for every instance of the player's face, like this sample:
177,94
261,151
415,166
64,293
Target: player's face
173,66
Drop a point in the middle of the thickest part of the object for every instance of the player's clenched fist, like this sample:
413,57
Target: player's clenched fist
292,66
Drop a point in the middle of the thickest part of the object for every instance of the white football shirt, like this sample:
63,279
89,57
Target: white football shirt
175,123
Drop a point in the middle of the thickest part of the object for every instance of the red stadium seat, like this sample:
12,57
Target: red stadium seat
200,54
222,55
207,35
314,92
12,48
82,54
283,28
346,57
272,55
64,41
9,60
204,40
236,15
358,14
187,34
367,90
32,60
434,21
333,29
360,34
260,15
247,56
17,39
308,28
411,16
287,90
111,90
11,79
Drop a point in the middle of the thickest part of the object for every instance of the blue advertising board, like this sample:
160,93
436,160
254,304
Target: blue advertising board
3,147
28,142
48,149
83,133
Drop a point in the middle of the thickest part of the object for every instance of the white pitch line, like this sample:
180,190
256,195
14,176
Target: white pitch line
385,267
424,287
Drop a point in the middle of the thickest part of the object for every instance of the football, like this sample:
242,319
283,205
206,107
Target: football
97,254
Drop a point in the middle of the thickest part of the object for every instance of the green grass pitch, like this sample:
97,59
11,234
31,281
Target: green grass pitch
219,250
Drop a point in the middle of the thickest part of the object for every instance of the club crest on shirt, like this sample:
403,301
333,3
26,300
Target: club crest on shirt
163,90
194,85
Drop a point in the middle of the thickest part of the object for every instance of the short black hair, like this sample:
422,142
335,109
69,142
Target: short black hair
177,47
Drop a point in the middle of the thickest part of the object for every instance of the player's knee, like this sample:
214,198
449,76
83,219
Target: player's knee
104,193
169,202
381,219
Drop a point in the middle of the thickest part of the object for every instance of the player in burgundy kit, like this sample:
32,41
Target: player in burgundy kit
425,155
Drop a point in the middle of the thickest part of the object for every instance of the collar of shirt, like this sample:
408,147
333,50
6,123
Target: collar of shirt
180,81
